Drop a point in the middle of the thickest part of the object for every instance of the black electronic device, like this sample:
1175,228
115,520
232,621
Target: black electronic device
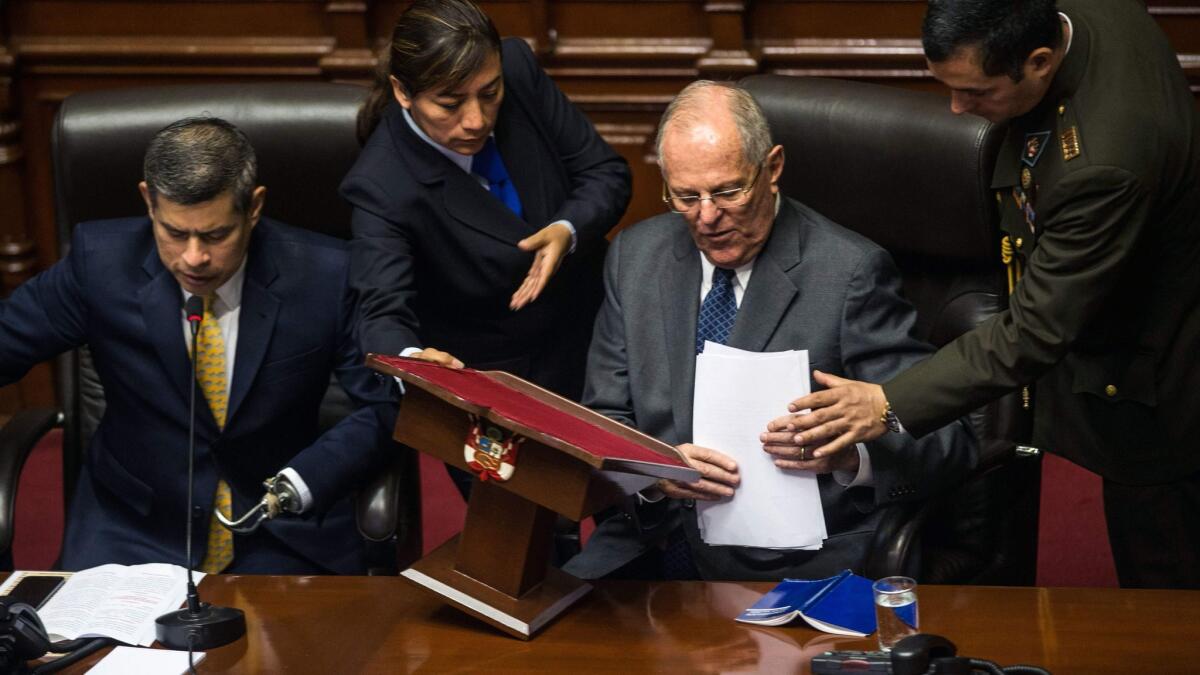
199,625
22,636
920,654
830,663
35,590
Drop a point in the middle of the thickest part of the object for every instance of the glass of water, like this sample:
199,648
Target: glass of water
895,610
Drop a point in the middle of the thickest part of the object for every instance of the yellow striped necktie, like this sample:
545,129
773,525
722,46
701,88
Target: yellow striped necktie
210,375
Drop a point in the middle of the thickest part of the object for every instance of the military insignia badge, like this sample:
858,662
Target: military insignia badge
1025,206
491,452
1026,178
1035,143
1070,144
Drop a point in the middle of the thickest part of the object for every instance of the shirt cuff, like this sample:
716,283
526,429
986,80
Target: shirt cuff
570,227
651,495
301,488
864,477
408,351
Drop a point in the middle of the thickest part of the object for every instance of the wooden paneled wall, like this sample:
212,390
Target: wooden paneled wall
620,60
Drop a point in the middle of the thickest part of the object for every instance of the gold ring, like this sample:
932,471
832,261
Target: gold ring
802,451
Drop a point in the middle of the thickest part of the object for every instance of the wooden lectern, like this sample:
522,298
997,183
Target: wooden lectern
536,455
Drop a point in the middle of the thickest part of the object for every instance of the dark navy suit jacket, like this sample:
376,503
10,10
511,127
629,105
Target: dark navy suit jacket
296,326
435,254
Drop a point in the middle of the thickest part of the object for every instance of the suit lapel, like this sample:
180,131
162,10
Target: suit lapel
471,204
771,291
682,276
513,138
162,304
462,196
256,324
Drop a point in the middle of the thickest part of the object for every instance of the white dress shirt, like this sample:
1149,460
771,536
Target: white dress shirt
741,280
227,308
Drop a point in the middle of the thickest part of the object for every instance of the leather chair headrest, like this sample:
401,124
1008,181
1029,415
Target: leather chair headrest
100,137
852,147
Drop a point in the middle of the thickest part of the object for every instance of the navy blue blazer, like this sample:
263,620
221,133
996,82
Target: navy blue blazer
296,326
435,257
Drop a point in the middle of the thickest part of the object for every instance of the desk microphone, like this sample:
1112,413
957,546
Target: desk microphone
200,625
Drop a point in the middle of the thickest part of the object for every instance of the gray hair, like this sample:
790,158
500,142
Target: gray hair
693,105
196,159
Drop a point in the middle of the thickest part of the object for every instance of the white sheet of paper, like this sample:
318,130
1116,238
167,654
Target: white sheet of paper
124,660
736,394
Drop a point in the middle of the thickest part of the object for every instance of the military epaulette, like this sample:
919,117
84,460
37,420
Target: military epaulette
1069,138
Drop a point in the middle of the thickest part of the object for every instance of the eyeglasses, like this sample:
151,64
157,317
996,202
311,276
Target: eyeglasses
725,199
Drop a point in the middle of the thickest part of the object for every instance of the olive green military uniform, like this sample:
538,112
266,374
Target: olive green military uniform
1099,191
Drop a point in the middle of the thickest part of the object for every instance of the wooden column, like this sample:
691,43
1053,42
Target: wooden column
16,247
544,36
352,58
730,56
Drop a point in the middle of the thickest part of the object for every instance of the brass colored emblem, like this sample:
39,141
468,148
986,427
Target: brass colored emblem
1026,178
1070,144
1062,109
1111,390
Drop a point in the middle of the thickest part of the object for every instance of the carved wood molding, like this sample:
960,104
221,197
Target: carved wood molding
729,56
17,258
351,56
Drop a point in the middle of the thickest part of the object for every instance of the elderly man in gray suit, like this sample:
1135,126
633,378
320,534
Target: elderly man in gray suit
738,263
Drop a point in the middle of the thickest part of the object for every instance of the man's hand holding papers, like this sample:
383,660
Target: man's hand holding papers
719,475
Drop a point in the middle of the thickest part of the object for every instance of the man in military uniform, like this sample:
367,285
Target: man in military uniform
1099,190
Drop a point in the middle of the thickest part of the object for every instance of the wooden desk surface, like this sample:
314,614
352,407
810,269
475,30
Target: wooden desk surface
386,625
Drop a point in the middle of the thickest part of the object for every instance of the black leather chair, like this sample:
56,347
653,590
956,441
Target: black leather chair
304,136
897,166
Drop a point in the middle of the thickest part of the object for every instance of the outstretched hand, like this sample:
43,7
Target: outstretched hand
845,413
550,243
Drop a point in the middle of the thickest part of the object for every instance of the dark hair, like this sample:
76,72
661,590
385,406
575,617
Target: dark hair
1006,31
435,43
194,160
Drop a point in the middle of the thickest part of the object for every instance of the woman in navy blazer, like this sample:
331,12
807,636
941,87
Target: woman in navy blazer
497,273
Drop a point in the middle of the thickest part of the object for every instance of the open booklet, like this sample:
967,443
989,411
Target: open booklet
114,601
842,604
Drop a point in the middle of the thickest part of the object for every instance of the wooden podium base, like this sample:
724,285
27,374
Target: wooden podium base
520,617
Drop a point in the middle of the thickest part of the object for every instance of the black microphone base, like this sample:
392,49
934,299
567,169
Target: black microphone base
208,627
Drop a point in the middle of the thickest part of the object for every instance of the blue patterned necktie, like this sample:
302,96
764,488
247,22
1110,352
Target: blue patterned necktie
488,163
718,311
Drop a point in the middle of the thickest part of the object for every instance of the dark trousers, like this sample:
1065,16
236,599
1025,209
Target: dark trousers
1154,531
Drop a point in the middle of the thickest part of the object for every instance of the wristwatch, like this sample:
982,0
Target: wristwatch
888,418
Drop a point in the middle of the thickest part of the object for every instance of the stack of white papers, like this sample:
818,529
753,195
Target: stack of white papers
737,393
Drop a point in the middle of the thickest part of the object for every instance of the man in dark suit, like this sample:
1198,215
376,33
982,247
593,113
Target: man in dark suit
788,279
278,320
1099,188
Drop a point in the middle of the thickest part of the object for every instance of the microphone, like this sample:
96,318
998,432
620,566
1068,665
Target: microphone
200,625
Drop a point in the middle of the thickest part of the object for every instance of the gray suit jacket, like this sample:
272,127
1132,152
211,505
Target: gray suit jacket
815,286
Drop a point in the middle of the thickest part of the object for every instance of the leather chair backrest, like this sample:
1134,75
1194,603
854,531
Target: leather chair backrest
303,134
898,167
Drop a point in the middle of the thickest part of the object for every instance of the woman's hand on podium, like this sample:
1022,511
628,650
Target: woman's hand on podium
437,356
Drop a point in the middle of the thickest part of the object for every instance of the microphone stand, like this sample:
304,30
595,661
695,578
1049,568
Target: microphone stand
199,625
